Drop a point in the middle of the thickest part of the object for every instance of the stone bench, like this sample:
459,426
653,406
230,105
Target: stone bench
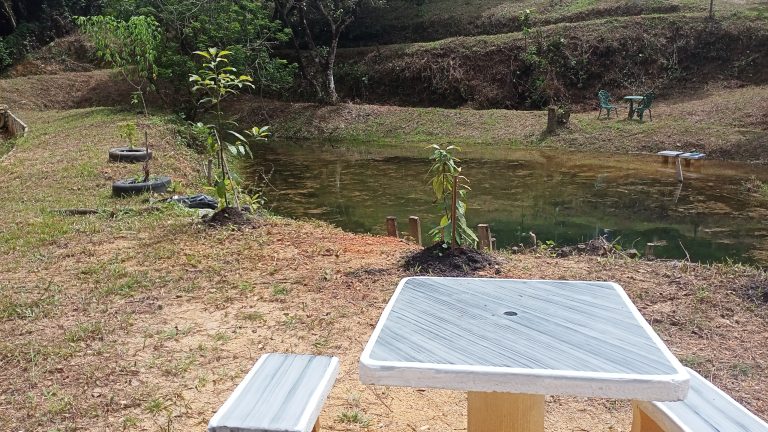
282,392
705,409
688,157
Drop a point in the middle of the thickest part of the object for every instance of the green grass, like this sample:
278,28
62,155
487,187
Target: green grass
354,417
27,218
84,332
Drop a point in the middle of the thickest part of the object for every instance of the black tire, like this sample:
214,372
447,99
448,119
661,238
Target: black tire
123,188
130,155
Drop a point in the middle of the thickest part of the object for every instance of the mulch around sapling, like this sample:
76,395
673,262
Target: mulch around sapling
230,216
438,260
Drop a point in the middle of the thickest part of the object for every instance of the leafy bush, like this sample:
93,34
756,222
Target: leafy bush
5,56
244,27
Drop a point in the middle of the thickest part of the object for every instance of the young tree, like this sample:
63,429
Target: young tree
216,81
330,18
450,189
131,46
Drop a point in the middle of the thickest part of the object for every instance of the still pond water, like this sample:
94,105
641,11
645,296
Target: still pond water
566,197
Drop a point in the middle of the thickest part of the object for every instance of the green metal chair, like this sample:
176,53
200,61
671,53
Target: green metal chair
604,103
645,105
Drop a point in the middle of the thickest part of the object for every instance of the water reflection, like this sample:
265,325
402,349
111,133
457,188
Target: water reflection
566,197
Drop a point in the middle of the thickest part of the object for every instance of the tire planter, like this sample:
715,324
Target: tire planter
130,155
123,188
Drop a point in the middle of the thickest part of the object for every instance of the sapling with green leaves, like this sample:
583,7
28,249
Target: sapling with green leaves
131,46
127,132
215,82
450,190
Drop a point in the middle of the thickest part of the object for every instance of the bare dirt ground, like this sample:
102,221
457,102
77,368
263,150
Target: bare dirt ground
130,320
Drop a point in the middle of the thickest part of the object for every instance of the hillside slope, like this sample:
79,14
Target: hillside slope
563,64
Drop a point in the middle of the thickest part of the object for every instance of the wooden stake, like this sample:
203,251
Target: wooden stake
504,412
649,250
316,428
453,211
392,226
641,422
146,161
678,170
484,235
414,226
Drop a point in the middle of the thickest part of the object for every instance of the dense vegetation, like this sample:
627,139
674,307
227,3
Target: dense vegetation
26,25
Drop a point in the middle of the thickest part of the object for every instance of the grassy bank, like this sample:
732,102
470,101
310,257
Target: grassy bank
703,121
135,320
413,21
564,63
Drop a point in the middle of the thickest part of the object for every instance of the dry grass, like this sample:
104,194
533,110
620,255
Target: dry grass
147,322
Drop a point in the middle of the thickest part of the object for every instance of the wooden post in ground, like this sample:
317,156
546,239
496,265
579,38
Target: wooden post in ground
392,226
414,227
649,250
484,235
678,170
504,412
493,243
551,119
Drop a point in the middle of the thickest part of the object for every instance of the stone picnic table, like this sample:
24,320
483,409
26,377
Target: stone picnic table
632,100
508,343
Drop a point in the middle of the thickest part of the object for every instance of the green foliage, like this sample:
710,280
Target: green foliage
5,55
27,25
216,81
127,131
449,186
130,46
525,21
245,27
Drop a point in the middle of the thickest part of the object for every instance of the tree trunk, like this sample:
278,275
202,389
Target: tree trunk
7,18
333,98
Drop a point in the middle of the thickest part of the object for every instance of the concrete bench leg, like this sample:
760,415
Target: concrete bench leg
641,422
504,412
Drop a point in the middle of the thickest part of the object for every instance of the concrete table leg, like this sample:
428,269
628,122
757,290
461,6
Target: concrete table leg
641,422
504,412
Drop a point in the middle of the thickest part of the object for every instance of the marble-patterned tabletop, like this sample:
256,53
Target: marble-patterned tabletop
520,336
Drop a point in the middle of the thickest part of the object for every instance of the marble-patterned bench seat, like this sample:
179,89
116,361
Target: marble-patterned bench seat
705,409
282,392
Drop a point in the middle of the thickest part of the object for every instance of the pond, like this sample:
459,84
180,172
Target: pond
560,196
